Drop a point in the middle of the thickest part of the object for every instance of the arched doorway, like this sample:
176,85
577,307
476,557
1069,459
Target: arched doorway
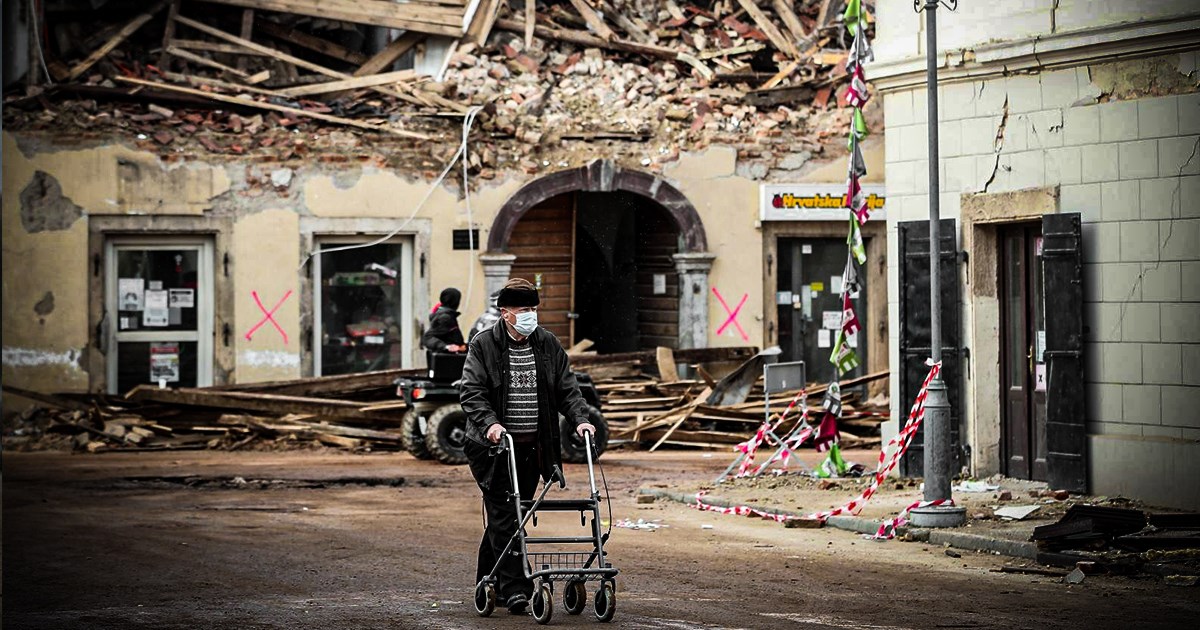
620,257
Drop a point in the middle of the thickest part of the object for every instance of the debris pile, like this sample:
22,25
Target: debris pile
555,82
357,412
1122,541
648,405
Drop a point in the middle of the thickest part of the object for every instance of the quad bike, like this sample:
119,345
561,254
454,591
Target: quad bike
435,425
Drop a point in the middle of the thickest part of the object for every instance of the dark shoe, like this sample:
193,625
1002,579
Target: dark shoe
517,604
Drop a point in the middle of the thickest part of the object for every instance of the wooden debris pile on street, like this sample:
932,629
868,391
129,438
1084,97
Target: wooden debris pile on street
358,412
647,405
614,78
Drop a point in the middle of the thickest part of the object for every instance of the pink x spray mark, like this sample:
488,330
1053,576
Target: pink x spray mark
733,313
268,316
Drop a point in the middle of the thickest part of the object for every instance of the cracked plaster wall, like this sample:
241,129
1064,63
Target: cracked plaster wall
1120,143
266,205
901,31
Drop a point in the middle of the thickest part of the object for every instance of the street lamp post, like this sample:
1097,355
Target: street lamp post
937,402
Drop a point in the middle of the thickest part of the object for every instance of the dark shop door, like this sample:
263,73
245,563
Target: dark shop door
808,300
1023,343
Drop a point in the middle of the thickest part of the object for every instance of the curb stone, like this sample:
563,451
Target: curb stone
959,540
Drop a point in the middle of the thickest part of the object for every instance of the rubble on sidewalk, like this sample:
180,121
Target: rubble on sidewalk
557,82
649,406
356,412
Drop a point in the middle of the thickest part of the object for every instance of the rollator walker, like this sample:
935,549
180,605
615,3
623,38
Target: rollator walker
571,568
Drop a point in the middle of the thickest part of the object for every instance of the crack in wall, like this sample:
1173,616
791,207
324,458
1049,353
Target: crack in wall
1176,203
998,144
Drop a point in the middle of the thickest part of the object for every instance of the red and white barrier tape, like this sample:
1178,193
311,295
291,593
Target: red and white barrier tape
901,441
750,447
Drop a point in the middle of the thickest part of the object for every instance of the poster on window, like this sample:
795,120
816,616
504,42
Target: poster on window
129,293
164,363
181,298
156,312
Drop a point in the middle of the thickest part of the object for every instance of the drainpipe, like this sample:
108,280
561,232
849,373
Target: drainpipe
937,403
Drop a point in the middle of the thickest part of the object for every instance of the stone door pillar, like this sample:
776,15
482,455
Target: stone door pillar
693,271
497,267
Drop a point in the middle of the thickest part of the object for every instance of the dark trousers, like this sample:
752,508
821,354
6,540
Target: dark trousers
493,475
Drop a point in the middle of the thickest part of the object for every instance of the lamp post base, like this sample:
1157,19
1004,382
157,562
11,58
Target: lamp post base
938,516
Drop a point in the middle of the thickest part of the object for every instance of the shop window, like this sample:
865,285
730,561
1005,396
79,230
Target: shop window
362,302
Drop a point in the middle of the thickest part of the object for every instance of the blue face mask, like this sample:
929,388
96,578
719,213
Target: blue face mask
526,323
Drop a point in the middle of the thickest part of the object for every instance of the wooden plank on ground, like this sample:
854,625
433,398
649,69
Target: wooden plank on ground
273,107
682,417
667,372
114,41
688,355
252,401
355,83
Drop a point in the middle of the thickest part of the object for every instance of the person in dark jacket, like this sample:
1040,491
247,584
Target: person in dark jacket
517,379
443,334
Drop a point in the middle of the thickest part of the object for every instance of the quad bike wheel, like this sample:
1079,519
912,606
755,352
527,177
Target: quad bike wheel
445,434
573,444
412,437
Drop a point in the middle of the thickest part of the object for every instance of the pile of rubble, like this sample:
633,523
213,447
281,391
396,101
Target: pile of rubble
555,83
643,399
357,412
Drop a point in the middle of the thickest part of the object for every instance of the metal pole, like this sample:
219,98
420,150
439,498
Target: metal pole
937,403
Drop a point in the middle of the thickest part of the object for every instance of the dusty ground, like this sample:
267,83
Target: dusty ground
171,540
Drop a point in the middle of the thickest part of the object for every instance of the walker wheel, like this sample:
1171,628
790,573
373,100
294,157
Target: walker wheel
485,598
606,602
574,597
542,604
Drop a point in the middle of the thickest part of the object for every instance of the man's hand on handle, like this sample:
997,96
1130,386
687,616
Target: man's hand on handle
585,427
494,433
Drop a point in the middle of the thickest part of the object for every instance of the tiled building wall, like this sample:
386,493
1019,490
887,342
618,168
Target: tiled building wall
1131,167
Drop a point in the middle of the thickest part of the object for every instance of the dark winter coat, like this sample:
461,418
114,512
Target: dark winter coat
443,330
484,390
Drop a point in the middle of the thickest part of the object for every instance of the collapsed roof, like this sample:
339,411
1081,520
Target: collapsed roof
553,84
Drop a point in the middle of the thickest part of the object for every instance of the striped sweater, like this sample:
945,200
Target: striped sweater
521,412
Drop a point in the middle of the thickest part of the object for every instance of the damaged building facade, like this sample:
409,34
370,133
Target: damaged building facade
1070,175
151,237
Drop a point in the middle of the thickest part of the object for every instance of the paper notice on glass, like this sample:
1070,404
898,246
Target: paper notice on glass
181,298
129,294
1041,346
155,285
156,313
806,249
164,363
1039,377
824,338
831,319
660,284
835,284
783,298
